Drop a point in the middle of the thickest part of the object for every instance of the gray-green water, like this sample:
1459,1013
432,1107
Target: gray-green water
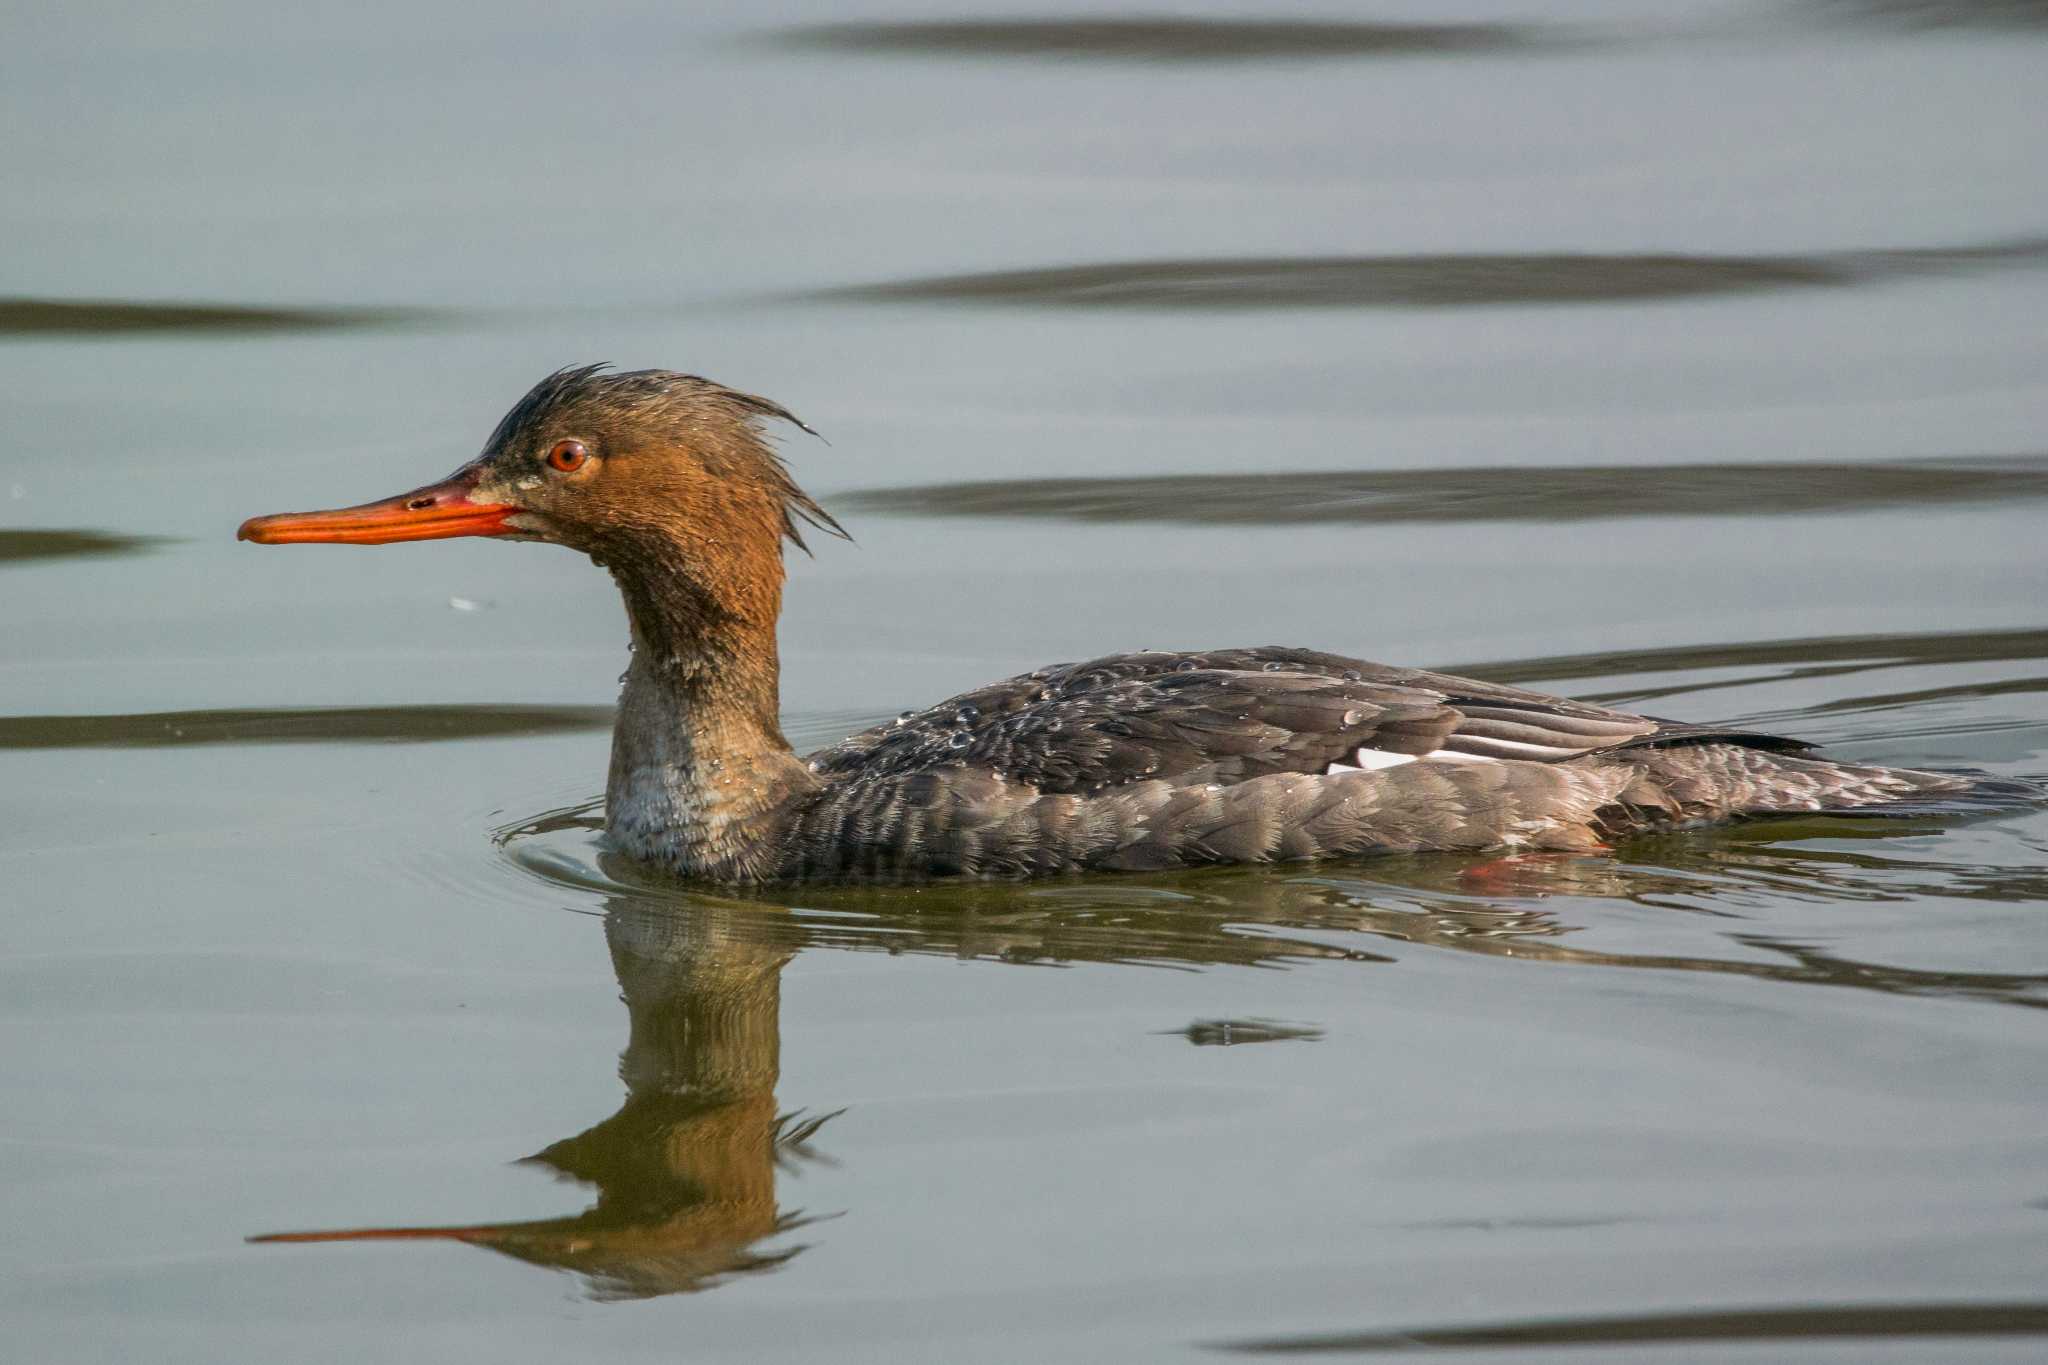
1688,356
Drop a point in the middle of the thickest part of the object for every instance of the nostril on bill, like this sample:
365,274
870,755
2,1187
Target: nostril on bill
419,504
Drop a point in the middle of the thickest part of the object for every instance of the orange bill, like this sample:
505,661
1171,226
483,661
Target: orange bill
435,512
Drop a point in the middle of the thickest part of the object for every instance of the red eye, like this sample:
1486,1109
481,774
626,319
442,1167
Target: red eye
567,456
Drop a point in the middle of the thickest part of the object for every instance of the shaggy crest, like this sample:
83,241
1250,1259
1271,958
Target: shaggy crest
684,404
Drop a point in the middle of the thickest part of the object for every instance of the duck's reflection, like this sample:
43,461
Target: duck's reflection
685,1171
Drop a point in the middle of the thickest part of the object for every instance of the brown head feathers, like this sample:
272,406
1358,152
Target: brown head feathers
722,428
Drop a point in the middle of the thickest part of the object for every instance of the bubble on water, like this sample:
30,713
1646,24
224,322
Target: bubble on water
1353,717
1186,666
903,717
1352,675
967,715
961,739
1275,666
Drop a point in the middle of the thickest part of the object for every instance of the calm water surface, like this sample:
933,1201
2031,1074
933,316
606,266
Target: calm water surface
1686,356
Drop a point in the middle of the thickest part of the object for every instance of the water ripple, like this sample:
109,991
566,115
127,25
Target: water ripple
1428,280
1926,15
1853,653
43,317
308,725
71,544
1546,494
1805,1322
1168,39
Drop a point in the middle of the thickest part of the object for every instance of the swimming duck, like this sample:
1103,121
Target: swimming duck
1160,759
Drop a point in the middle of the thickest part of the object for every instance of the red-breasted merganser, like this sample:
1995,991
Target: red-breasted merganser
1160,759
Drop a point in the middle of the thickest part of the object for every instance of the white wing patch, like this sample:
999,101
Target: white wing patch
1371,760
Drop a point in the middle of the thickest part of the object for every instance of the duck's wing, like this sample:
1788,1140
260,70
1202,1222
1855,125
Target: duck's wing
1227,716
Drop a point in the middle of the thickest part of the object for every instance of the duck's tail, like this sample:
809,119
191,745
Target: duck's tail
1700,783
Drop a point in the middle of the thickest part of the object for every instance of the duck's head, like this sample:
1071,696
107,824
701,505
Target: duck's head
642,469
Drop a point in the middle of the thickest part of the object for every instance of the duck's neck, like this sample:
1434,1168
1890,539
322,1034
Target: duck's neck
701,776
